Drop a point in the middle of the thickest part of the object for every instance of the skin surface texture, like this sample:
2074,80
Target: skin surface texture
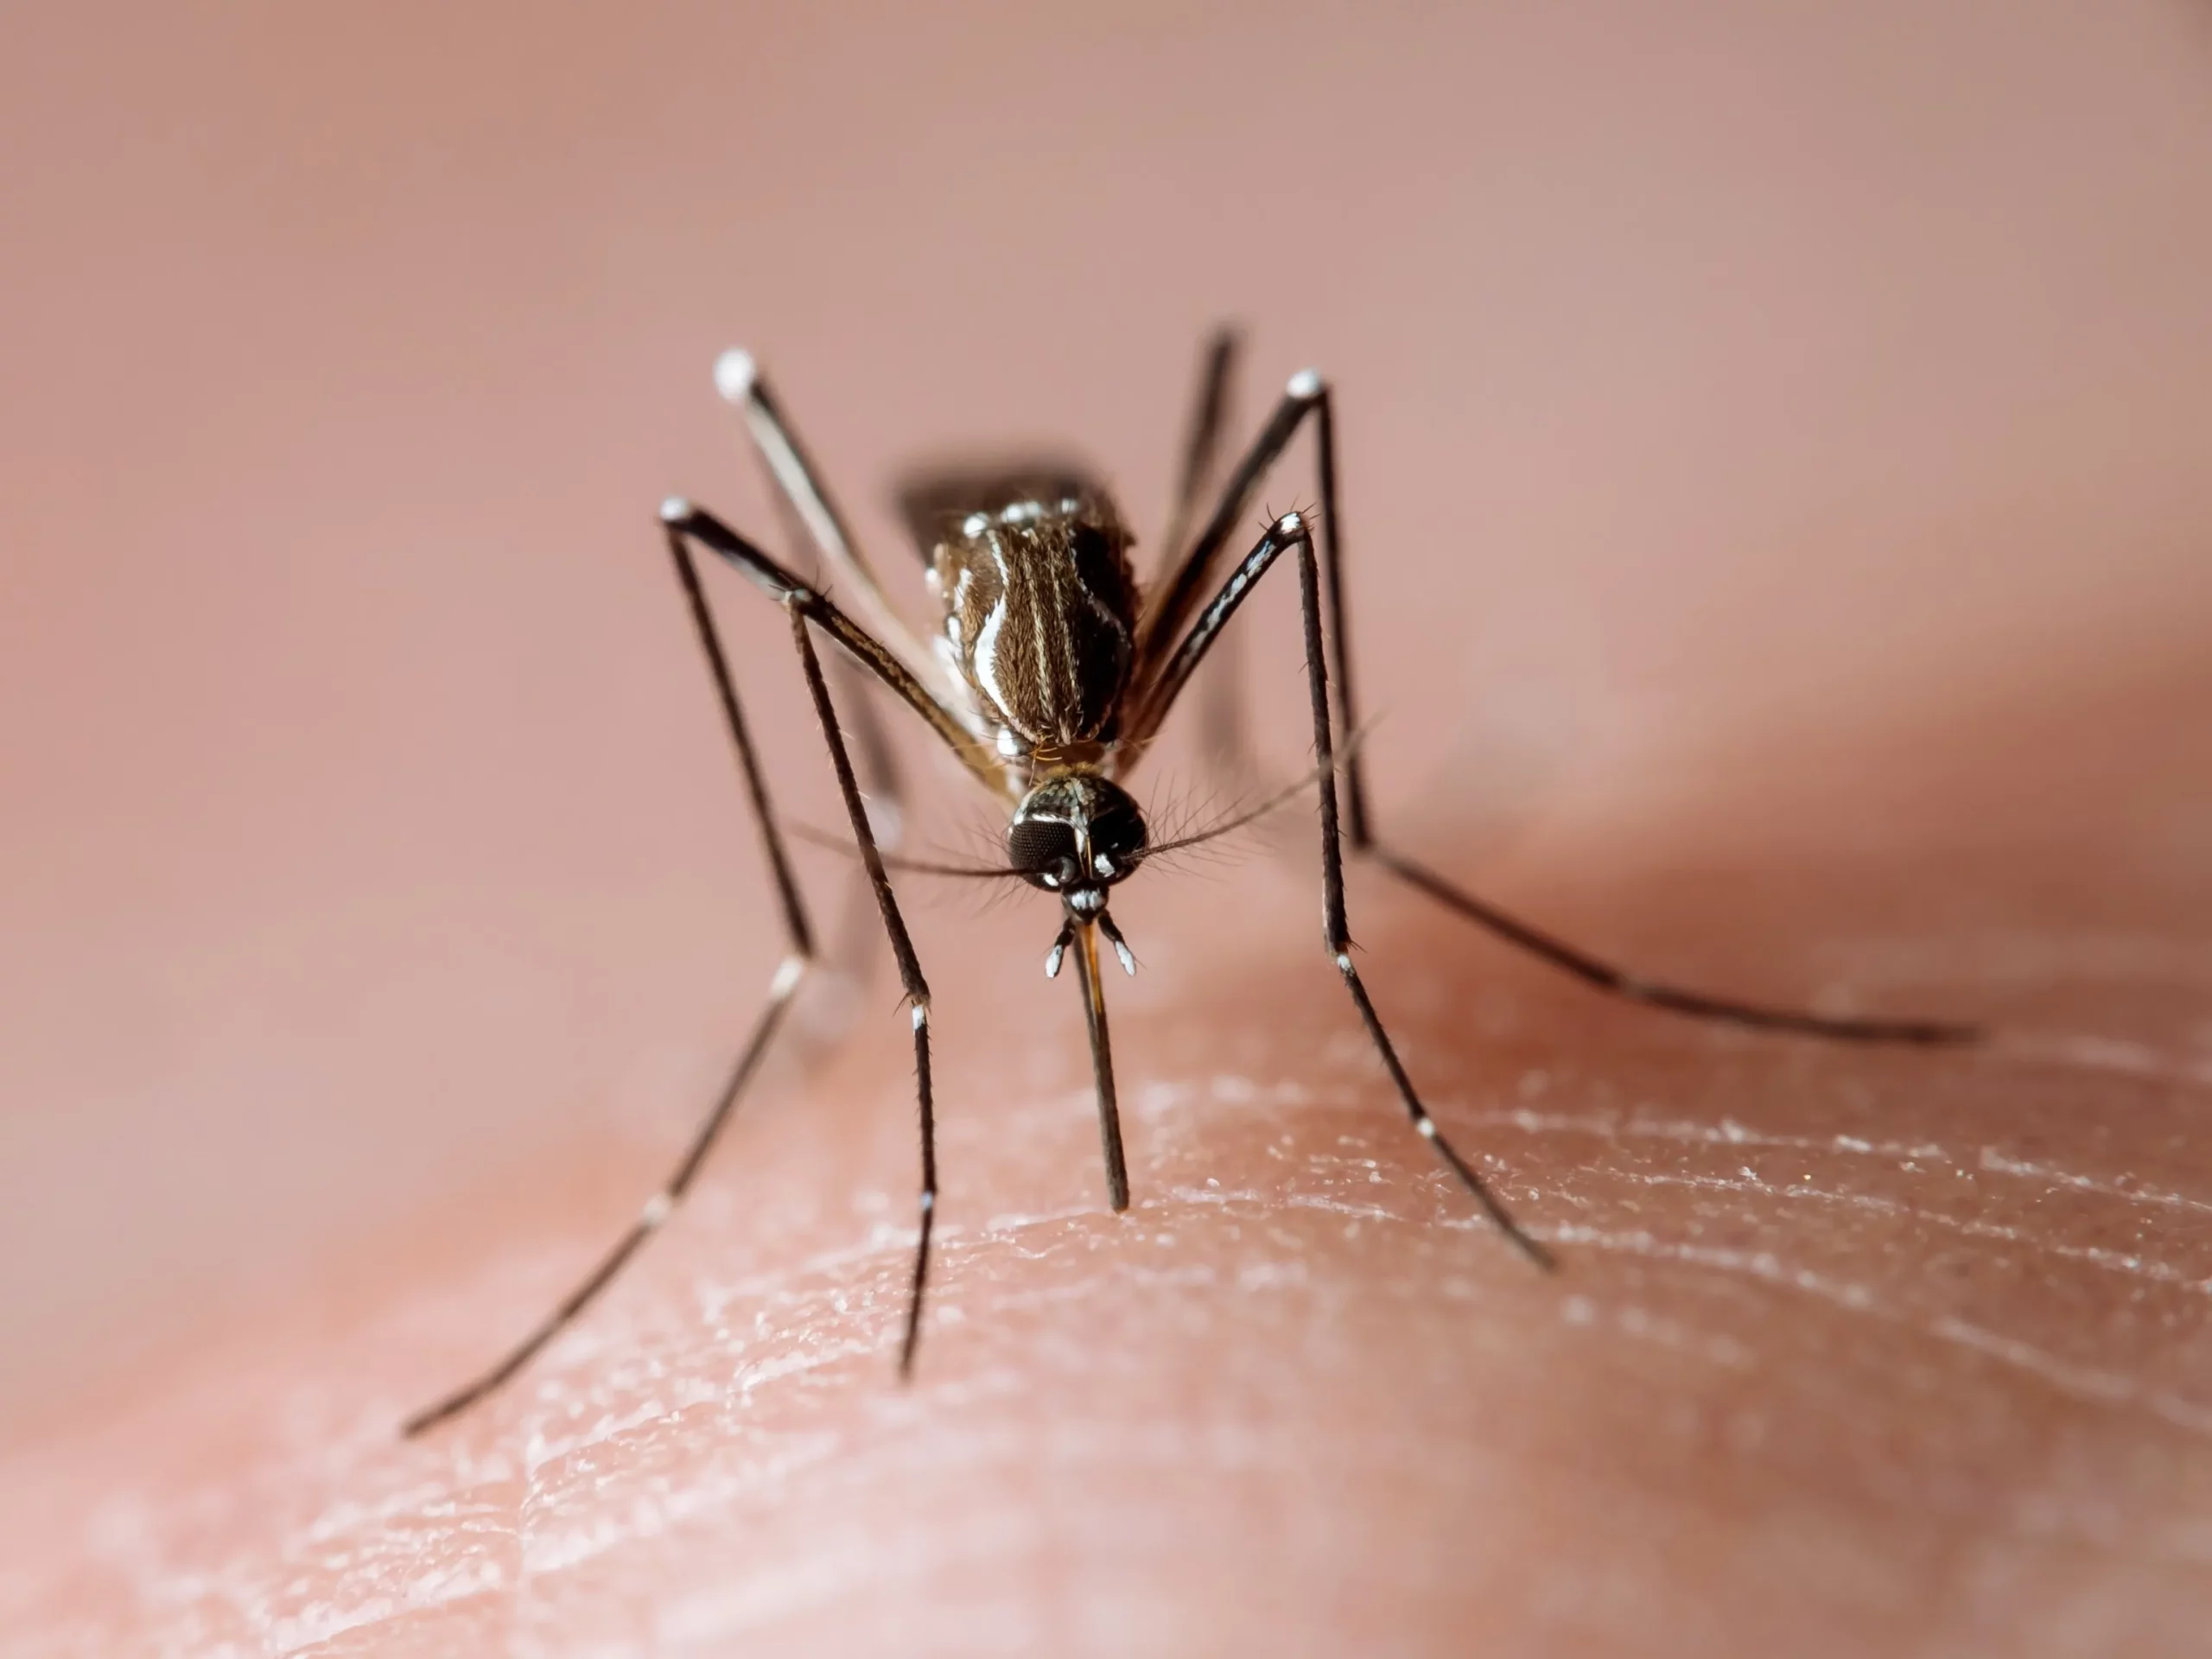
1851,1348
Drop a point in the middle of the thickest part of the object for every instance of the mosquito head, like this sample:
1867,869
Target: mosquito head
1075,835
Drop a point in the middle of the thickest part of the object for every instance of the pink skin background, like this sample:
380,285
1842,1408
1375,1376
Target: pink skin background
1775,442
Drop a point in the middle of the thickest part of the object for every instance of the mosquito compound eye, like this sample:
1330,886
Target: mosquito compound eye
1117,837
1043,851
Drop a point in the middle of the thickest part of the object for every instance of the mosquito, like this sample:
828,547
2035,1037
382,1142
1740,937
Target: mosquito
1049,673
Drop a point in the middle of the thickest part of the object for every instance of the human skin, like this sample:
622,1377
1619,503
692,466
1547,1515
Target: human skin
1849,1349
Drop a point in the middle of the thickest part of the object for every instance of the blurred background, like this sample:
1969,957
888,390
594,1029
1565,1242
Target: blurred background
1718,384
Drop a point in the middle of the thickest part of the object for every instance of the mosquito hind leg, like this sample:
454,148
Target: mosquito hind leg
1600,974
1604,977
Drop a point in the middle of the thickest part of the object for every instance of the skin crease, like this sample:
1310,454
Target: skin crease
1777,485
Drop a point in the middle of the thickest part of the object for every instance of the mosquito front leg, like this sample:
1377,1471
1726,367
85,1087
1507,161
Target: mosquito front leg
683,525
812,521
1289,531
799,952
902,950
1337,929
810,610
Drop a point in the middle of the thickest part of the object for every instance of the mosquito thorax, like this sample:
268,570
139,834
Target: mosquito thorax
1075,835
1039,609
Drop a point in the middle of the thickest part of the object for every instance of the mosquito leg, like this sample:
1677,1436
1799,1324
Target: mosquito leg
811,520
1603,975
1291,531
1606,977
1337,929
656,1212
851,953
1307,395
798,480
1183,583
800,954
902,950
876,764
855,641
1222,736
811,610
1210,415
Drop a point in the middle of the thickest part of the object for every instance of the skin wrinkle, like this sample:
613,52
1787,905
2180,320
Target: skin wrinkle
1161,1100
542,1557
2102,1387
2109,1054
2111,1260
1732,1133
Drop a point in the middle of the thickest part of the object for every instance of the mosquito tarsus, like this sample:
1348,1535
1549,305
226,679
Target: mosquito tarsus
1050,672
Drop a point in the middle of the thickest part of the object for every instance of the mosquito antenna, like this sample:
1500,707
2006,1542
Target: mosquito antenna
1237,821
1231,825
899,862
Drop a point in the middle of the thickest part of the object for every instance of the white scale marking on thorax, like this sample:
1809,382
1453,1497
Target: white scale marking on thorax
1042,618
987,647
987,637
